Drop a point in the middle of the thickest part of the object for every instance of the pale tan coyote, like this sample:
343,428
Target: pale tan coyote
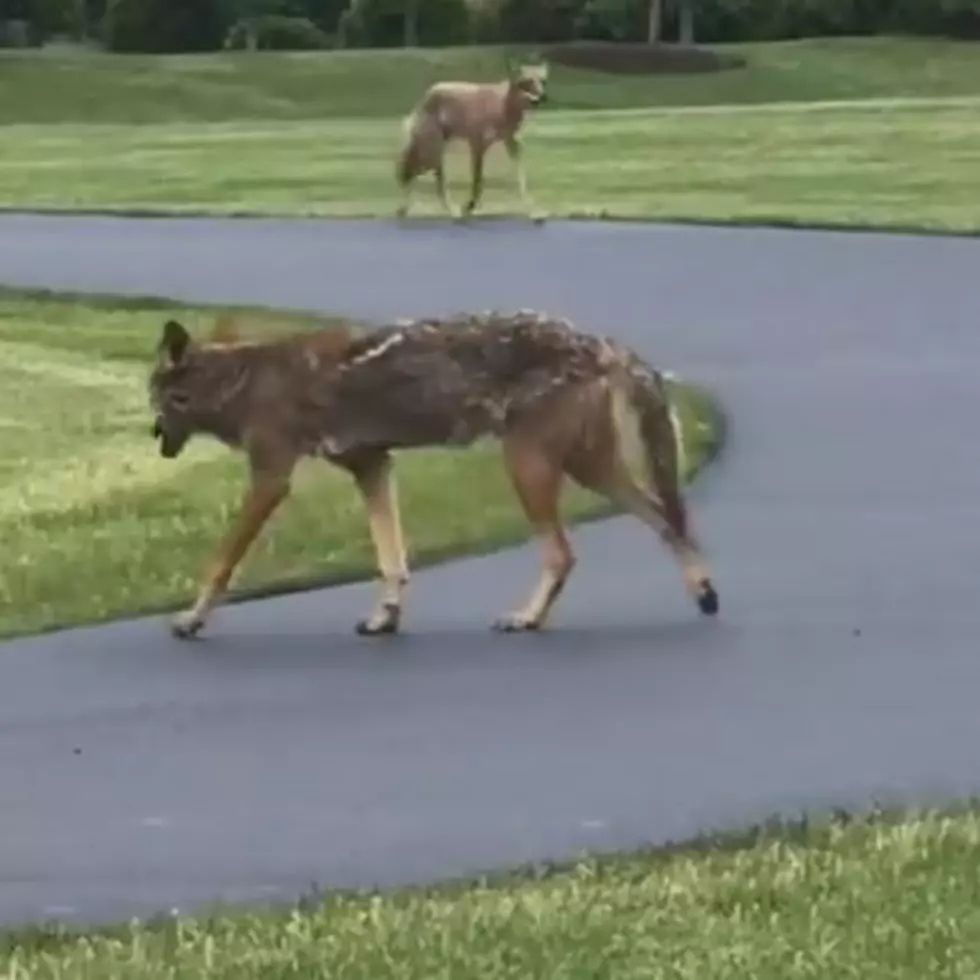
478,113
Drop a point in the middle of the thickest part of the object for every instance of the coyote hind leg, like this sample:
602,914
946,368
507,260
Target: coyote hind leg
406,201
515,150
613,481
447,202
697,577
376,481
536,479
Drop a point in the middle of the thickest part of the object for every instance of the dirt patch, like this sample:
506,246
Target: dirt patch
640,59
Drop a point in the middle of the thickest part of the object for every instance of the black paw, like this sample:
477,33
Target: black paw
383,625
708,598
514,624
186,626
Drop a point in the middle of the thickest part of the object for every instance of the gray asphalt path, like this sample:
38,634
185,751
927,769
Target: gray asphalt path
141,774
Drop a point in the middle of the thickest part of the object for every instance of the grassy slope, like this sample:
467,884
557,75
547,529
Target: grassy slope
58,88
871,900
96,524
316,134
858,165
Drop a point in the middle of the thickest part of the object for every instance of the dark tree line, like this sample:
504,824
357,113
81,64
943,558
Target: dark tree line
202,25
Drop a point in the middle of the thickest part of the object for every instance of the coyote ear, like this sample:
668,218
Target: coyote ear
174,341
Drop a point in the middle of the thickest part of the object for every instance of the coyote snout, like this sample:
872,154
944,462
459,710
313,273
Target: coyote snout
480,114
172,440
168,396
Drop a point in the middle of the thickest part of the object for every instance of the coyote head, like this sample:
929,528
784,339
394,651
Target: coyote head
171,387
193,386
530,80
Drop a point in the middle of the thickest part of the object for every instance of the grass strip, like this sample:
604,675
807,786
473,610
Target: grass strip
887,165
887,896
96,525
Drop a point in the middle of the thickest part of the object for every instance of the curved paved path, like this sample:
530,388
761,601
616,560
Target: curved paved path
138,773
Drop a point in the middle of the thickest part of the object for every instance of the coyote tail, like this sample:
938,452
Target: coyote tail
422,145
651,437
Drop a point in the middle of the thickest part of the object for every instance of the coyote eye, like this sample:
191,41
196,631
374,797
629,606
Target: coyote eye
179,400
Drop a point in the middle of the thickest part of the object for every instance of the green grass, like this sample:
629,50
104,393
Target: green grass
906,165
95,524
878,898
100,88
316,134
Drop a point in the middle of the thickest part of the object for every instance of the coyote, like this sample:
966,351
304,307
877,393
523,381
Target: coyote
560,401
479,114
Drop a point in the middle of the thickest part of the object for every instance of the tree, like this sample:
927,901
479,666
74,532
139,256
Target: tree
411,34
685,22
165,26
655,16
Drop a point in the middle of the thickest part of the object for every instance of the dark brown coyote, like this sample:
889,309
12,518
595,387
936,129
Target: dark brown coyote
560,401
478,113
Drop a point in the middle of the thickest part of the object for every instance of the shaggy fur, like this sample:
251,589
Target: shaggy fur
560,401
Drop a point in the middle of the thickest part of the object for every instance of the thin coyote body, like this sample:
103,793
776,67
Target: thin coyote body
480,114
561,402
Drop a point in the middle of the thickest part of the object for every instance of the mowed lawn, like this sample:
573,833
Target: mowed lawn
912,164
875,899
885,133
96,524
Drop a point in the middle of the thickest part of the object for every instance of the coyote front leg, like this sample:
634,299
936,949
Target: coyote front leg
515,150
376,482
477,153
266,492
443,193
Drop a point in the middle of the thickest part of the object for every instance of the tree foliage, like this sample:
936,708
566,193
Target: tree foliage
200,25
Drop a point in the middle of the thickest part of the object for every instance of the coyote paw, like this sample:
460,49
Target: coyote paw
515,623
381,622
707,598
186,625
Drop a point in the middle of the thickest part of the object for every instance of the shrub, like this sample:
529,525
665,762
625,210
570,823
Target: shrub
550,21
165,26
610,20
383,23
16,33
275,32
538,21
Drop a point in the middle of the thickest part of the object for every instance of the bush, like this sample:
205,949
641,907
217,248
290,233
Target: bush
953,18
274,32
165,26
16,33
325,13
539,21
716,21
611,20
760,20
382,23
